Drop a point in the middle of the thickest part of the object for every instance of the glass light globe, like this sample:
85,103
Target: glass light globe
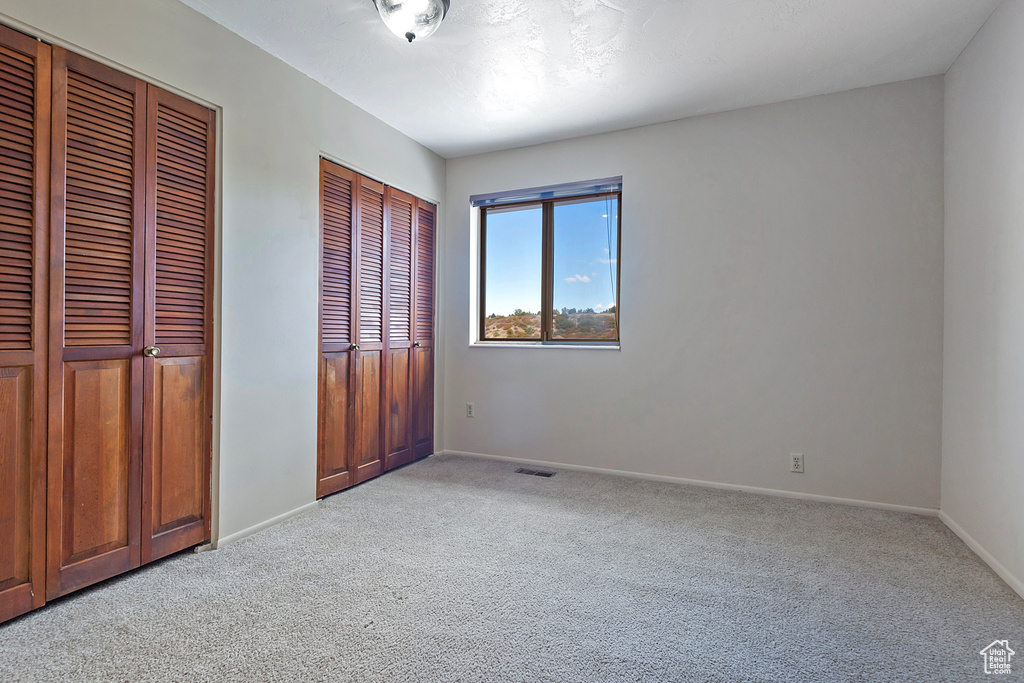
411,19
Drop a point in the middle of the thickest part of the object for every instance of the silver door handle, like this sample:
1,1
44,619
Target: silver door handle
151,352
353,347
417,344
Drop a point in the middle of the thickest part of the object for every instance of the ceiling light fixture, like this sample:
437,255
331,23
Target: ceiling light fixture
411,19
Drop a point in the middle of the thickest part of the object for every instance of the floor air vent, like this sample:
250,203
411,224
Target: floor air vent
534,473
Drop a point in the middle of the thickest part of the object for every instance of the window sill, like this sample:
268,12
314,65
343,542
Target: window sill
598,346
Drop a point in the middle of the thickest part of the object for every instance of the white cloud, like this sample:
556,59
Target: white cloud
578,278
606,261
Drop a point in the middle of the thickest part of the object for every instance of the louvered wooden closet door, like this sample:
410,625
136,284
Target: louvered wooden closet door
24,162
376,328
370,330
179,296
423,357
397,373
335,419
96,323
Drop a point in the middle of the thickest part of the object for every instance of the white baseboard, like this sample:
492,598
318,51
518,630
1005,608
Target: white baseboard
997,566
256,528
927,512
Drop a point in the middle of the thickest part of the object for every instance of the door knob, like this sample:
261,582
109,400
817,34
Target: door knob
353,347
416,344
151,352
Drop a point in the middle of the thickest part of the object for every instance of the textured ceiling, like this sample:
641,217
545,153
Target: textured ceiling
508,73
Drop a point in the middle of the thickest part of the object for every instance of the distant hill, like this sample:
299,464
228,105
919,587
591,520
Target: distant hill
513,327
567,326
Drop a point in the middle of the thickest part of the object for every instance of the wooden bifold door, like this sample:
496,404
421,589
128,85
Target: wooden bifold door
24,177
376,328
106,209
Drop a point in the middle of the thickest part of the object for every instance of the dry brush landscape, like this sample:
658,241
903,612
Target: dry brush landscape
567,326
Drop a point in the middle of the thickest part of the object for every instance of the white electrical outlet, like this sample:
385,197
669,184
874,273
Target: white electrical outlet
796,462
470,410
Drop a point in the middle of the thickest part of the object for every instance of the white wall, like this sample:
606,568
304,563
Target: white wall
275,124
781,292
983,406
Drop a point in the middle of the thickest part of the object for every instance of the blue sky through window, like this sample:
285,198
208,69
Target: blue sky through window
586,249
585,253
513,260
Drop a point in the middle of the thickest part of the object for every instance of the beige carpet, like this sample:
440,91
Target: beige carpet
456,569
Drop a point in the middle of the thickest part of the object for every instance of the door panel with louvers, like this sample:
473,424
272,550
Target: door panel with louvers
336,375
183,213
24,155
336,254
96,303
425,213
370,273
367,454
423,358
401,206
177,415
99,237
398,433
18,165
